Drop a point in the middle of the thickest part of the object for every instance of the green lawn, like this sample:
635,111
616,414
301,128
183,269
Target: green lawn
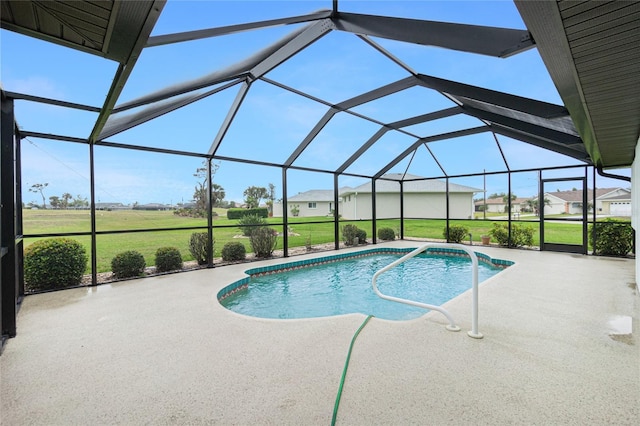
300,229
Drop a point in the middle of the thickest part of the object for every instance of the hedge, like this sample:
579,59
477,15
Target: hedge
238,213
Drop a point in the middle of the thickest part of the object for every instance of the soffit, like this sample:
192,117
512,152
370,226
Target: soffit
592,52
105,28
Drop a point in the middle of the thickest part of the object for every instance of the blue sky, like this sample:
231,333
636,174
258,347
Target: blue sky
271,122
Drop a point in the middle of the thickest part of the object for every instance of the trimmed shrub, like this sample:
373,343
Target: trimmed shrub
250,223
198,246
263,241
523,235
54,263
612,238
362,236
520,235
500,232
236,213
349,234
168,259
386,234
456,233
128,264
233,251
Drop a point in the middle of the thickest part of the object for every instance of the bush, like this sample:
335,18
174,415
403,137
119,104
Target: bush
128,264
500,232
190,212
250,223
263,241
168,259
198,246
238,213
386,234
54,263
612,238
351,234
520,235
456,233
233,251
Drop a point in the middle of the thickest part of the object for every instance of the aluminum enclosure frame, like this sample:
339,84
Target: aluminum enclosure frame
534,122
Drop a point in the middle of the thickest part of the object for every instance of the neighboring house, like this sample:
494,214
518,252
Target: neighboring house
152,206
315,202
425,198
111,206
614,203
499,205
607,199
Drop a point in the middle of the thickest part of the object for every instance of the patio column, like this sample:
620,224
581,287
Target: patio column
11,285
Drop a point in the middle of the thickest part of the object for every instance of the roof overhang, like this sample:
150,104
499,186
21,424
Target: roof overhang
592,52
110,29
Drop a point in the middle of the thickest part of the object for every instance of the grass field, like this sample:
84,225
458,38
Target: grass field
301,230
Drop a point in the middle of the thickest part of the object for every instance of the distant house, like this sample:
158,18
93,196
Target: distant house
111,206
615,204
422,199
499,205
609,201
315,202
152,206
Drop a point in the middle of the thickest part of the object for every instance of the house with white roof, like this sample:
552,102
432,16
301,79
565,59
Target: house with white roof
609,201
315,202
423,198
615,203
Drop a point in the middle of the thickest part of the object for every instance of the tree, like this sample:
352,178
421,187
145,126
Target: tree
200,190
272,197
253,195
54,202
79,202
505,198
589,207
217,195
200,197
66,197
532,204
39,188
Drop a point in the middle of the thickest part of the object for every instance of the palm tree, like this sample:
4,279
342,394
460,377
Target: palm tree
65,200
505,198
533,204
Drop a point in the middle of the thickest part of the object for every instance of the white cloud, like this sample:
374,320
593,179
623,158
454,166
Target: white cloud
38,85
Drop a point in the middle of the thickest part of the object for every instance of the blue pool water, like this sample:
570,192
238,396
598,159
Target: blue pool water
345,287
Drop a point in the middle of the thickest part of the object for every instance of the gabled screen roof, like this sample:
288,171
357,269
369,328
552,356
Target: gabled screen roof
335,79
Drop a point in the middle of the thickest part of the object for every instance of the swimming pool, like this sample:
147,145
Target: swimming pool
341,284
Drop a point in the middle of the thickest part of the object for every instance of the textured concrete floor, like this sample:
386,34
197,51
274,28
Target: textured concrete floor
561,347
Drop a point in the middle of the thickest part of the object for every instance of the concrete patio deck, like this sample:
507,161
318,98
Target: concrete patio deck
561,347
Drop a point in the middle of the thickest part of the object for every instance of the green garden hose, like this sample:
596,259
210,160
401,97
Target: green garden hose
344,371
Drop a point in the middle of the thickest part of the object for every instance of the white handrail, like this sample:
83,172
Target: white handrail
452,326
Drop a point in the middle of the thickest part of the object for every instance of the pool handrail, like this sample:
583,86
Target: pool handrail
452,325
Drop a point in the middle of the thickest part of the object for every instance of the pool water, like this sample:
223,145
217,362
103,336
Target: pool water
345,287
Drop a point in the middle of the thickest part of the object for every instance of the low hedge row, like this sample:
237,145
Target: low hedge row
56,263
239,213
